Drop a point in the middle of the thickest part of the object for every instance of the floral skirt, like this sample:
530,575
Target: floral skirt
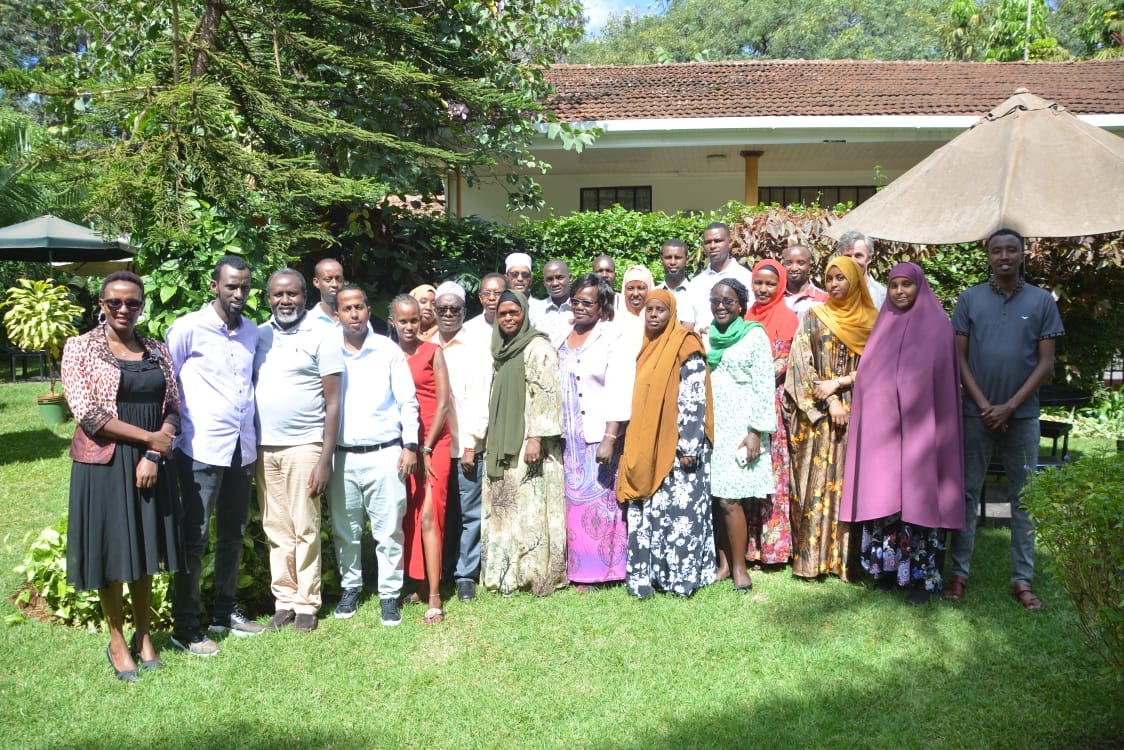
912,555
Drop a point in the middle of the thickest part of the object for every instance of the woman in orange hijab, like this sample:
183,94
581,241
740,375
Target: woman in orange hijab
665,466
821,374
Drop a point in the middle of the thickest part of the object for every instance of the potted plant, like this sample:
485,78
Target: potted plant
41,317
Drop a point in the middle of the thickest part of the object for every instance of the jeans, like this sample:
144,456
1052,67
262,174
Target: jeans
367,486
291,521
224,492
1018,451
469,490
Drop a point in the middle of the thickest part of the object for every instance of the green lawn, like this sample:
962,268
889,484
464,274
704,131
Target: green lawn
793,664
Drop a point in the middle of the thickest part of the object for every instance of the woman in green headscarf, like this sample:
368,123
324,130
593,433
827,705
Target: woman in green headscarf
523,528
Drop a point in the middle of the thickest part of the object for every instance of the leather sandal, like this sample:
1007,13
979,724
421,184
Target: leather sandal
1025,596
954,589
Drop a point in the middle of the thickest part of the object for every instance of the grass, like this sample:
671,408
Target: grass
821,664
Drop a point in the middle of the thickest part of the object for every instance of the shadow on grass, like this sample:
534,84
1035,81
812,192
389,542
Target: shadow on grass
243,735
31,445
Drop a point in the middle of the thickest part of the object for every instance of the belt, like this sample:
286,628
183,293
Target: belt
369,448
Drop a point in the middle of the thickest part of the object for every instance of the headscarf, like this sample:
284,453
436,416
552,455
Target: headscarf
509,390
422,289
636,273
779,321
905,451
653,433
721,341
851,318
518,260
449,287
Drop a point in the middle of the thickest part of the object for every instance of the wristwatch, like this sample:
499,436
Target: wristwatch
427,450
410,446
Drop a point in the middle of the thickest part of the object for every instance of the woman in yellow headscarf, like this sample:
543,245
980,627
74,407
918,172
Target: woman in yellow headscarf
821,375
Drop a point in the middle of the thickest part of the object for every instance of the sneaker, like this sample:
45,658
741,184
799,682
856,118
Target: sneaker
304,623
466,589
195,644
238,624
349,602
390,614
282,618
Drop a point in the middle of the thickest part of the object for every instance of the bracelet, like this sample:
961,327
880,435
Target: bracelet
152,456
610,435
426,450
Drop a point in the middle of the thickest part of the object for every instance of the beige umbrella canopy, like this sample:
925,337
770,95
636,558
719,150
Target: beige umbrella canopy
1029,165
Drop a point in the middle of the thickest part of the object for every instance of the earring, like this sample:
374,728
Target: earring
101,318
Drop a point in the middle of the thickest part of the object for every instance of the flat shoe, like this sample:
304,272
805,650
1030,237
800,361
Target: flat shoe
1025,596
954,589
125,675
151,664
434,615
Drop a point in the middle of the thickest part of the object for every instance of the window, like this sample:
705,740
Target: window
635,198
824,196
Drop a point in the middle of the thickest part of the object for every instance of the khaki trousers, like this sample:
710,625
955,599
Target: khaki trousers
291,520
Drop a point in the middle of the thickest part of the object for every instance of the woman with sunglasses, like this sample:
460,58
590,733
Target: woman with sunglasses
597,368
123,522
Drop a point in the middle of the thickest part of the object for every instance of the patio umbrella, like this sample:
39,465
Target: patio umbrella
50,239
1029,165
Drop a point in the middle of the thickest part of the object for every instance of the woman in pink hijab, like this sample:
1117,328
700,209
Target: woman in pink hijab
904,477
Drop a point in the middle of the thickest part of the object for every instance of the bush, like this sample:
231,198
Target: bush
1078,511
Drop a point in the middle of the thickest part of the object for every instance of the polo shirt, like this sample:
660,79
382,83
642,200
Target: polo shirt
380,401
214,365
805,299
553,320
684,308
702,284
288,369
1003,335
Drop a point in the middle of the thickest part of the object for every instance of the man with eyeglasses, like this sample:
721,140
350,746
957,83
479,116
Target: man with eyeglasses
519,276
492,285
469,363
552,315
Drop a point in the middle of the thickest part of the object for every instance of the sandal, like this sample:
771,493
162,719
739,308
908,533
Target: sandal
434,615
954,589
1026,597
414,598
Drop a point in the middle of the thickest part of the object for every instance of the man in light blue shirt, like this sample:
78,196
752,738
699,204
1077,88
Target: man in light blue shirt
375,453
212,353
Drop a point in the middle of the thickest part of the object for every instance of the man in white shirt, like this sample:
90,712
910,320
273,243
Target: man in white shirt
469,364
480,328
716,245
858,246
552,316
328,279
375,454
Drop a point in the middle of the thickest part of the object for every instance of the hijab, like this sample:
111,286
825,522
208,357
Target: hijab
852,317
779,321
508,399
655,406
905,450
636,273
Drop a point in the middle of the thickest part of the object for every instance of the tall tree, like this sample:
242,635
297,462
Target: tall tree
1020,31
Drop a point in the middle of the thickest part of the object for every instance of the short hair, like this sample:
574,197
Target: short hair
322,261
401,299
353,288
559,261
604,292
494,275
1008,232
739,291
607,257
717,225
674,242
797,246
128,276
848,240
287,272
236,262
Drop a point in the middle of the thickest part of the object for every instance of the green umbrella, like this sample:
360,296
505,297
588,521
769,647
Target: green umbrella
50,239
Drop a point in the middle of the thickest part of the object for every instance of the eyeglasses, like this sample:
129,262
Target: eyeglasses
449,310
723,301
489,293
131,304
585,304
519,274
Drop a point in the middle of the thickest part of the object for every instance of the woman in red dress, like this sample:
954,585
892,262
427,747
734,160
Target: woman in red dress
424,524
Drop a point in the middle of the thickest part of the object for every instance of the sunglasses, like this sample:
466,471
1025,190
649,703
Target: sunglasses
722,301
519,274
490,294
131,304
582,303
449,310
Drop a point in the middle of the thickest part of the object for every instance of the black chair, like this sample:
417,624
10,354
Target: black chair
23,358
1052,431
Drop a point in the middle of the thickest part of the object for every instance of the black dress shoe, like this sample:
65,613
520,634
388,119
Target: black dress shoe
125,675
466,589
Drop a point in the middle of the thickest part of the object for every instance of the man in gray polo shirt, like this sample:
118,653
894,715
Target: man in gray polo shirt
1005,333
297,373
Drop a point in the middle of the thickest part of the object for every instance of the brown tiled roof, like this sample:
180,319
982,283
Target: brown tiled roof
826,87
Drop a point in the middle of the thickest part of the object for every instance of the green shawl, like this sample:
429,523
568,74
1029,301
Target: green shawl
508,400
721,341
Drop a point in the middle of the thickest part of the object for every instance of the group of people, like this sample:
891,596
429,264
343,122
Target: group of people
664,437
